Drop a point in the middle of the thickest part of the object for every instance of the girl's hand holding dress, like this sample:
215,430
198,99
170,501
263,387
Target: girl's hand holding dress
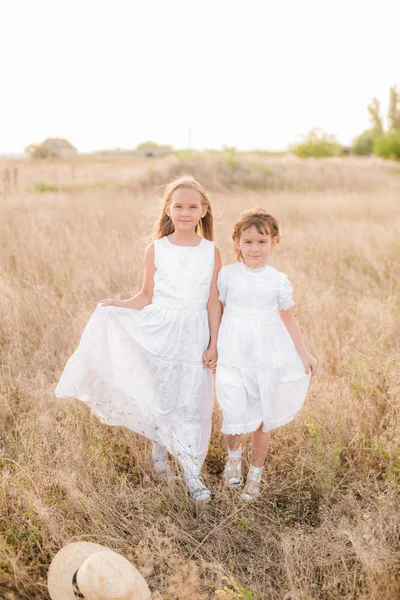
113,302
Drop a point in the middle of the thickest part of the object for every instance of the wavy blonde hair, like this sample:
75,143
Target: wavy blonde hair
165,226
258,218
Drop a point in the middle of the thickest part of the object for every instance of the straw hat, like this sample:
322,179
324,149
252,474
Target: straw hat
93,572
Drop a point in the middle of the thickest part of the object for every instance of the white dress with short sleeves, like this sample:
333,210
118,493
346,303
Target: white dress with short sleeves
143,369
260,375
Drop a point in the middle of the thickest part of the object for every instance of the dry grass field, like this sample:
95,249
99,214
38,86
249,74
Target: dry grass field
328,523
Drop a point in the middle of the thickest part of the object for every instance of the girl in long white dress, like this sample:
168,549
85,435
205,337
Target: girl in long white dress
263,365
145,363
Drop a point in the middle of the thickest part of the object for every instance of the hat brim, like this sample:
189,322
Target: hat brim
64,565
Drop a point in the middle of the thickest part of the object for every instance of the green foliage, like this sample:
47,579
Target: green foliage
260,168
374,139
375,118
150,146
233,591
363,145
394,110
147,146
271,153
388,145
38,151
229,155
318,145
183,155
41,187
44,187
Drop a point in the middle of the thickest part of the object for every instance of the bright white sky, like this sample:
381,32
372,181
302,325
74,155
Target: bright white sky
248,73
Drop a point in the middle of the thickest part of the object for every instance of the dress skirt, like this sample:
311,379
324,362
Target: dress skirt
260,376
143,369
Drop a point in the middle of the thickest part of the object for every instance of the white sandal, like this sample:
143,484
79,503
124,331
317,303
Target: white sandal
252,489
197,489
232,474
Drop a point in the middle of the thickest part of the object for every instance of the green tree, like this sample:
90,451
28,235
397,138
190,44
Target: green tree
317,144
394,109
35,151
374,116
388,145
149,145
363,145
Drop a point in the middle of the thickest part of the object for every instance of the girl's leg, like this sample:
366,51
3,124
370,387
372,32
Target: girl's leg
233,442
233,467
194,482
259,447
160,461
159,452
191,472
259,450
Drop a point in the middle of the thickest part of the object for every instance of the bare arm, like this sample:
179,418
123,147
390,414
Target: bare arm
144,297
214,305
310,364
214,314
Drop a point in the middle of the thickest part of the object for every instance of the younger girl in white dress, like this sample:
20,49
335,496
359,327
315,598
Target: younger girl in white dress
263,365
145,363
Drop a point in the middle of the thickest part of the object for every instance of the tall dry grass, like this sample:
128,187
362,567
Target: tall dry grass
328,523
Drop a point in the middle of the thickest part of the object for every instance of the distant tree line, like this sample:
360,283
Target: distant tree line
374,140
50,149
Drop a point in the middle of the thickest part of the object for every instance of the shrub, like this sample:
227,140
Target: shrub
364,143
147,146
152,148
317,144
183,155
388,145
35,151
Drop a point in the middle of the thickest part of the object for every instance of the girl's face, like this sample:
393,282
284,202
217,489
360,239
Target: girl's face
185,209
255,247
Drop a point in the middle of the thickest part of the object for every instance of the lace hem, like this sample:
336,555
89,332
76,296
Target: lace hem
238,429
286,304
270,425
115,408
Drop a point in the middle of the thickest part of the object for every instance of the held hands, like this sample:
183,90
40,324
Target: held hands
112,302
310,364
210,358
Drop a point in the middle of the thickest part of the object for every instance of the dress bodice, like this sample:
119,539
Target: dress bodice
183,272
256,291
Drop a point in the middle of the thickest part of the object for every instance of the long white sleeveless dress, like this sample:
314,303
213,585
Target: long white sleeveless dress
143,369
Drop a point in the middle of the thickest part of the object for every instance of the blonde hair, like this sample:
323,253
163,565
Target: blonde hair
258,218
165,226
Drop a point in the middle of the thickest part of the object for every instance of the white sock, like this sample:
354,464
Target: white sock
256,472
159,452
235,453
